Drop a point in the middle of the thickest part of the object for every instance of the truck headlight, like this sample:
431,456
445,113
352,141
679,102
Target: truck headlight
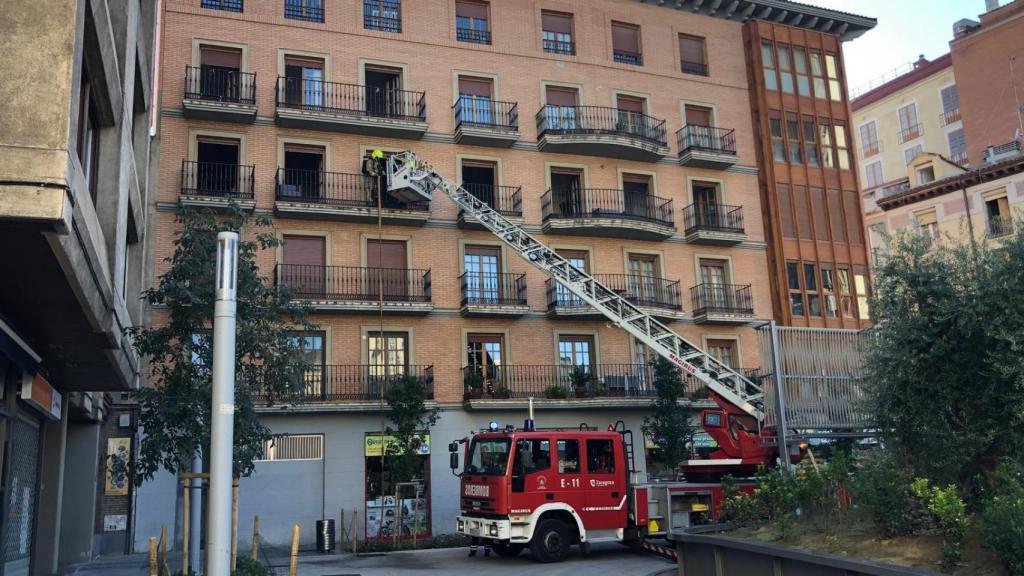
462,526
494,530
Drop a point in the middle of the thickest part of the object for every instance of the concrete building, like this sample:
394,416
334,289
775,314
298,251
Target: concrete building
625,134
74,176
937,119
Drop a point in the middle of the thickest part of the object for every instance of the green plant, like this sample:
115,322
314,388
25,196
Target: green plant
175,407
582,381
670,425
741,509
1002,525
246,566
950,512
777,492
474,380
409,415
555,392
882,487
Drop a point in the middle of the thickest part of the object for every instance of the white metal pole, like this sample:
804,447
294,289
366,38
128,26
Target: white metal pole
218,531
781,426
195,517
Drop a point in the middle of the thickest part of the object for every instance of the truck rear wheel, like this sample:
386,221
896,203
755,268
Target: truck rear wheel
507,549
550,541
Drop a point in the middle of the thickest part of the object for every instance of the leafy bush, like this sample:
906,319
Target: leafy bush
882,487
950,513
741,509
777,493
555,392
1002,524
246,566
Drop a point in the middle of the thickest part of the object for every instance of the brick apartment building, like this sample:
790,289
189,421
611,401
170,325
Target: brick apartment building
75,157
627,135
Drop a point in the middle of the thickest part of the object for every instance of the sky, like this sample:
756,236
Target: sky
906,28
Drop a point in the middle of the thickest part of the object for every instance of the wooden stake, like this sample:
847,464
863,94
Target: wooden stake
234,523
256,538
152,557
355,536
293,568
163,549
185,525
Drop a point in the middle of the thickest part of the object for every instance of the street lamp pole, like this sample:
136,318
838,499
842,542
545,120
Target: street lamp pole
218,546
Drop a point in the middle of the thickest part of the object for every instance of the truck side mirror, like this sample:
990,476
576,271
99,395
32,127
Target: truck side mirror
453,461
453,446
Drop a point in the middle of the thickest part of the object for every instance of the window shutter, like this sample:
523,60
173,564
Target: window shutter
698,116
691,49
475,86
560,96
223,57
305,250
553,22
626,37
629,104
477,10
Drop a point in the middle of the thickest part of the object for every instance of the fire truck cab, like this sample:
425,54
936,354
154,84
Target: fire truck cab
548,489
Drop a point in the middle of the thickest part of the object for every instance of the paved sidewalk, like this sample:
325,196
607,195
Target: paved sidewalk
605,560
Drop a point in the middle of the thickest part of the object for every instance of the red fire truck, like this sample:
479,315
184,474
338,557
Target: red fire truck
548,489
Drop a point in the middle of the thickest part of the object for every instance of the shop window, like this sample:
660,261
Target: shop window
396,506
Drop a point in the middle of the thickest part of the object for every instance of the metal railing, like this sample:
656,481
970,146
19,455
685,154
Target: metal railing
375,15
950,116
226,5
869,149
894,189
695,68
486,113
463,34
644,290
606,203
959,158
999,226
706,138
354,283
909,133
494,289
627,57
333,97
553,381
217,179
600,120
217,84
336,189
300,10
356,382
713,217
721,299
506,200
559,47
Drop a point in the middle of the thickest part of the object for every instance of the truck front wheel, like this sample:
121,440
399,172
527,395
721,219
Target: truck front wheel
507,549
550,541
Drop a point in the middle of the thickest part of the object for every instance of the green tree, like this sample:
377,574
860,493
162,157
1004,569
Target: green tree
945,364
409,416
670,426
175,407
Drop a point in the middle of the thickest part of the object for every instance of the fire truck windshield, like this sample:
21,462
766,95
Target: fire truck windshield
488,456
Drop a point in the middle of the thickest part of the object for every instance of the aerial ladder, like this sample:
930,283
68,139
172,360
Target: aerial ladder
411,179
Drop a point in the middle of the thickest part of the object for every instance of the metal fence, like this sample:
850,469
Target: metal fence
821,372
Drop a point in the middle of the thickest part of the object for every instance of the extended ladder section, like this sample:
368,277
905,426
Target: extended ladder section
409,176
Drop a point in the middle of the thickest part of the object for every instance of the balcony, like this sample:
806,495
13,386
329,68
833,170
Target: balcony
626,57
222,94
505,200
464,34
694,68
357,289
714,224
225,5
909,133
607,212
303,10
601,131
362,386
482,122
564,304
656,296
558,386
368,110
343,197
950,116
722,304
216,184
559,47
998,226
706,146
382,15
489,295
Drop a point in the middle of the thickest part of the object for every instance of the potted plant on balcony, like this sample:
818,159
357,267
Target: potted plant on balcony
499,390
555,392
474,382
584,384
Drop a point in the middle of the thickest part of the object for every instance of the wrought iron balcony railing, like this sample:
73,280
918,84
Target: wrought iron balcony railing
558,381
721,299
463,34
303,10
627,57
999,226
382,15
355,382
606,203
713,218
500,289
486,113
217,179
337,98
559,47
909,133
335,189
600,120
695,68
353,283
950,116
706,139
506,200
217,84
644,290
226,5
